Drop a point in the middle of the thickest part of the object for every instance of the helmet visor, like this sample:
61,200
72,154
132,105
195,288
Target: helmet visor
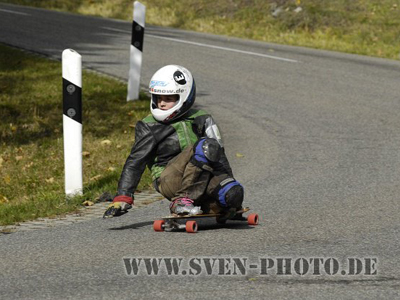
165,102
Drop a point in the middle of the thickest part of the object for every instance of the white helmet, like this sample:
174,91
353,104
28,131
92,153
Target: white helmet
172,80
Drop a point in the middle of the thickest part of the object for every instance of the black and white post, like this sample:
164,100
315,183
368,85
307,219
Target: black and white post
139,13
72,121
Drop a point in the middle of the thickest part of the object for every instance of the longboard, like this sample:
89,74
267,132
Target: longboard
169,223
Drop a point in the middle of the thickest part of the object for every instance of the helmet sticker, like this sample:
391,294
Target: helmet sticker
160,91
154,83
179,77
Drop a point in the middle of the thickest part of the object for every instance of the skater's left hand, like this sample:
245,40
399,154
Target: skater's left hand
119,206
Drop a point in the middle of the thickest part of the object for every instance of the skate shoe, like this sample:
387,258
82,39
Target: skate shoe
184,206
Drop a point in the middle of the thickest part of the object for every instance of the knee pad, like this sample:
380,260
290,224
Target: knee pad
206,151
230,193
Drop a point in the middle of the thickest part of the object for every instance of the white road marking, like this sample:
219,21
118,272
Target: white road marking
117,30
223,48
209,46
14,12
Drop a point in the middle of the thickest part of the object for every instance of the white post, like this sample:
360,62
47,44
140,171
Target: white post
72,121
139,12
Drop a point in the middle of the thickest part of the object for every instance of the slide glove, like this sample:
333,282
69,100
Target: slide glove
120,206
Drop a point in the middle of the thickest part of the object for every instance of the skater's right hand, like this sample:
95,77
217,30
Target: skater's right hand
120,206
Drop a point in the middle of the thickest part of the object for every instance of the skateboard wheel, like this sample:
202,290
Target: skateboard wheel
158,225
252,219
191,226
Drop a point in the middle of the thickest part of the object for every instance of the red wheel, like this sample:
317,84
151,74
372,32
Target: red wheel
191,226
252,219
158,225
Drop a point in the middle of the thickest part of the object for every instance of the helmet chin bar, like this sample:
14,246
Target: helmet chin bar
165,115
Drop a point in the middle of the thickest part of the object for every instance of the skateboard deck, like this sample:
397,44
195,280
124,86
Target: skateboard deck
169,223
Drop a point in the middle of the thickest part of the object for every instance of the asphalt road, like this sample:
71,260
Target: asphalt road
318,137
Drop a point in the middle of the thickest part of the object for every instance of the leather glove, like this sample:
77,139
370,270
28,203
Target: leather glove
120,206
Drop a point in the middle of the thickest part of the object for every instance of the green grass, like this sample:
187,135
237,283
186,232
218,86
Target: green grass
367,27
31,148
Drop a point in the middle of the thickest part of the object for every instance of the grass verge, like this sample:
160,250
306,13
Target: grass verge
31,147
367,27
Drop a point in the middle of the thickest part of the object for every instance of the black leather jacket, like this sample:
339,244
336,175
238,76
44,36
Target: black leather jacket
157,143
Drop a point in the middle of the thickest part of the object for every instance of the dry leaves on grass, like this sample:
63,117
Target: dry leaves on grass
7,179
88,203
28,165
50,180
94,178
106,143
3,199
